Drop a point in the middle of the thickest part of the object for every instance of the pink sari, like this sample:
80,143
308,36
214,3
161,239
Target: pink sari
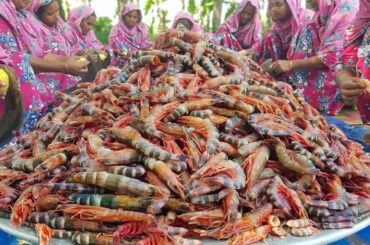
54,39
124,38
236,37
354,35
324,38
279,37
54,42
356,53
195,25
15,51
363,66
74,35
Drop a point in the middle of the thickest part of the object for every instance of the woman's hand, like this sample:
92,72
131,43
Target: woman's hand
76,65
281,66
93,57
350,89
81,52
245,52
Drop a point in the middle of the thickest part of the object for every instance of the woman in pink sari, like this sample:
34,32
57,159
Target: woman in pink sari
186,21
79,33
130,34
21,48
242,29
355,63
51,29
313,54
288,16
33,90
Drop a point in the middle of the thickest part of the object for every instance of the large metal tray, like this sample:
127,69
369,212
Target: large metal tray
325,237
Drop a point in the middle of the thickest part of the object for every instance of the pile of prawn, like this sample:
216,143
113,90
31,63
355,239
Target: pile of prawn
188,141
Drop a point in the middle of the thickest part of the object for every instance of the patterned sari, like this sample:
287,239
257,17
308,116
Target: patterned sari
276,43
236,37
323,38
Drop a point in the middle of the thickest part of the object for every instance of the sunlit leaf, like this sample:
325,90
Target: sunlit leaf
232,6
148,5
102,29
192,6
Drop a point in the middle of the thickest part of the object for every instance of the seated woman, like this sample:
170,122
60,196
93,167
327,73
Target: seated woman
242,28
313,55
185,21
288,16
33,99
354,66
130,34
17,49
79,32
51,28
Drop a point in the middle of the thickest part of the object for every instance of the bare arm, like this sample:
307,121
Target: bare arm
343,75
281,66
310,63
47,65
52,63
53,58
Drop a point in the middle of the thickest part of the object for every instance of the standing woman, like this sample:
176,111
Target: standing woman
288,16
51,29
314,52
355,63
242,28
79,33
130,34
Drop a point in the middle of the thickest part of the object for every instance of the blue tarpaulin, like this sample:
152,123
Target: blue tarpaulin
353,132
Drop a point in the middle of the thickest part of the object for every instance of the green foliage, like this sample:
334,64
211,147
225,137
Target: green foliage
61,9
192,7
148,5
205,12
102,29
232,6
159,19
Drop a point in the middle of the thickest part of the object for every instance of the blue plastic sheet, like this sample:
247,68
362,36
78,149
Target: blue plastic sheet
353,132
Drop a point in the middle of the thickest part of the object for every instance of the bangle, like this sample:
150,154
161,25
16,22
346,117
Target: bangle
65,67
291,65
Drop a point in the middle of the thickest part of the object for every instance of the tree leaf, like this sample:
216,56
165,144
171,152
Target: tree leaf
148,5
192,6
232,6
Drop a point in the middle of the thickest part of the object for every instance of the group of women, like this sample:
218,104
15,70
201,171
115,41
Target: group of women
323,50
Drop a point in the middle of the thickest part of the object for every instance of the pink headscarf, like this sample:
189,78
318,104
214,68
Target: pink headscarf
359,26
183,15
122,37
289,28
53,36
77,15
37,4
74,33
247,34
24,27
332,20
